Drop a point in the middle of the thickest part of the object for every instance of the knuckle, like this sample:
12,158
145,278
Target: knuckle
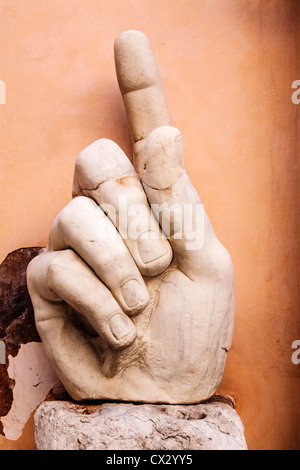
51,277
56,273
42,276
69,213
100,161
53,272
63,219
32,272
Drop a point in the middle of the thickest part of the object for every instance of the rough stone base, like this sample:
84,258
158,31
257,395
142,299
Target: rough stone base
63,425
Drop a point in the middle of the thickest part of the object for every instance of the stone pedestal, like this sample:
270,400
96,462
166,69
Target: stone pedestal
65,425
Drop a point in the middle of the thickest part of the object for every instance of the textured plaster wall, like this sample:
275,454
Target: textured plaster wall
227,67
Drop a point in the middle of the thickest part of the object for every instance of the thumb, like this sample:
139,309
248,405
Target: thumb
172,197
162,158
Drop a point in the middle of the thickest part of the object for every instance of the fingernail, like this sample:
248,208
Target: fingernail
120,326
150,247
134,293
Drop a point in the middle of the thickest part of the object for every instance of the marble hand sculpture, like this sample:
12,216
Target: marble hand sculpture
133,311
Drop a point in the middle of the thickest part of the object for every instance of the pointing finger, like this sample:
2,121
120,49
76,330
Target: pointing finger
141,86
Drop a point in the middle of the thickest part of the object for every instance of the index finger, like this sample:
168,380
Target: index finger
140,84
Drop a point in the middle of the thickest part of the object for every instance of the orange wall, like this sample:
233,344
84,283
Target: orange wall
227,67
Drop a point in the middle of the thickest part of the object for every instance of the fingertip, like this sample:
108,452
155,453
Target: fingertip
135,63
122,331
130,35
162,157
100,161
133,296
155,256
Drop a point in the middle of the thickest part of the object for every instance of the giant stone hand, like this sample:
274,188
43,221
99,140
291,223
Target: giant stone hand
128,308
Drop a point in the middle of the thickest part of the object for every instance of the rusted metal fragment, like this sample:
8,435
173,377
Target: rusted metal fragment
16,316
